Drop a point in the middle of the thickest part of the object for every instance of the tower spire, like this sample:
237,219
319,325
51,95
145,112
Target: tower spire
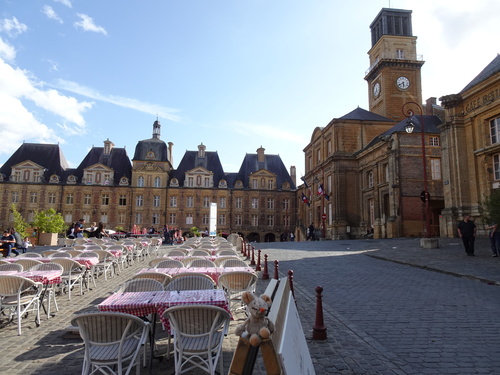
156,128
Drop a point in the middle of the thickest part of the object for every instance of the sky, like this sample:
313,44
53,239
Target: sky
234,75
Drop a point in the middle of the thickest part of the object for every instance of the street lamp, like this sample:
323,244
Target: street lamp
409,127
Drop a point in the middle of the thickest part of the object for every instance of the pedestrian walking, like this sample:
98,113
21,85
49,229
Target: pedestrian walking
467,232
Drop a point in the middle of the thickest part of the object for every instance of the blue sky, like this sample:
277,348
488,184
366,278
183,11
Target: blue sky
235,75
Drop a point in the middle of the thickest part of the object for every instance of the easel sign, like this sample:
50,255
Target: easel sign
293,352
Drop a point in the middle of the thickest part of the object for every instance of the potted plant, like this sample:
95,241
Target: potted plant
49,224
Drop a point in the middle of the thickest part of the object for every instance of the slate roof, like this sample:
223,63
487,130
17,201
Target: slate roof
117,160
272,163
491,69
430,126
360,114
49,156
191,160
156,145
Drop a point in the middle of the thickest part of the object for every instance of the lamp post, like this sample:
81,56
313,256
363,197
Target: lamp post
409,127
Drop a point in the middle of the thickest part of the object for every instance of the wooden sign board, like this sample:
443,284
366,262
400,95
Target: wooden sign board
293,352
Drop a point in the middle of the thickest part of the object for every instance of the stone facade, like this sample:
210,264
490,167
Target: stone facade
258,202
471,147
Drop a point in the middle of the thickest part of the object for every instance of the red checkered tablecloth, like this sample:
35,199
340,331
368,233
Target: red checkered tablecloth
135,303
44,277
215,297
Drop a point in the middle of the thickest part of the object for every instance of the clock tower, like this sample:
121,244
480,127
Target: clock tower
394,74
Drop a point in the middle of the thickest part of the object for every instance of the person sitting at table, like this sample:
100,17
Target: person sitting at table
8,242
100,231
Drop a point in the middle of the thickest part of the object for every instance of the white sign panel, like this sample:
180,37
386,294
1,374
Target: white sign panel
294,352
213,219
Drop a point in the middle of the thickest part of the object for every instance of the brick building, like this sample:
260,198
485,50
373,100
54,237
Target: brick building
364,174
258,201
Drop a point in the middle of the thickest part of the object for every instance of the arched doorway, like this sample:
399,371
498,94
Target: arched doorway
269,237
253,237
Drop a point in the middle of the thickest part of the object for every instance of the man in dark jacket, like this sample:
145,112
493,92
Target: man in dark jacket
467,232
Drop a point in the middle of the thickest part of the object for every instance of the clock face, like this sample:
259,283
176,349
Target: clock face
376,89
403,83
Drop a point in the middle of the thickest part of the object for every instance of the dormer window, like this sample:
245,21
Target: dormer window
150,155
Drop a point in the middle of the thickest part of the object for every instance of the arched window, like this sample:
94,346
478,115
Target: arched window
140,181
157,182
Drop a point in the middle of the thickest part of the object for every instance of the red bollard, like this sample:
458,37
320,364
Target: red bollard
319,329
265,274
243,247
276,275
290,281
252,262
257,267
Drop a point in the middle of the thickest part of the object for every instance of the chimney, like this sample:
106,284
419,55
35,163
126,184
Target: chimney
108,146
429,106
201,150
293,174
170,145
260,154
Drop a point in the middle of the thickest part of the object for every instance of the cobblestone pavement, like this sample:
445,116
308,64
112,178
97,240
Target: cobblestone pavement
389,307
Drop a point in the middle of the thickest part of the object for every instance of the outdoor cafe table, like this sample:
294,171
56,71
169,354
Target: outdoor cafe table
87,262
156,303
213,272
47,278
146,303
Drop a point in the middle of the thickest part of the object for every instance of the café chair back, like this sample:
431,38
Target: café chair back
18,296
198,332
8,267
60,254
163,278
200,252
50,292
177,253
47,253
140,285
29,255
234,284
169,263
112,342
73,274
27,263
201,263
190,281
234,262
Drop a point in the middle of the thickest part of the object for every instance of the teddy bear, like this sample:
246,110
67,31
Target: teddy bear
257,326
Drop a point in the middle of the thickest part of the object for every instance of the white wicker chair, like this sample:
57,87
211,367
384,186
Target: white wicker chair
73,274
234,284
190,281
111,339
50,293
168,263
19,295
198,332
201,263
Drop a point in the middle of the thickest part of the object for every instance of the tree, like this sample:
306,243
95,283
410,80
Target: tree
49,221
491,208
20,224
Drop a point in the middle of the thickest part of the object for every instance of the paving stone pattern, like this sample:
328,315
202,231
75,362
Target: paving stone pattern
389,306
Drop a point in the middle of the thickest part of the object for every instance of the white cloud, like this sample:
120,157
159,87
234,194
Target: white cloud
87,24
12,27
51,14
64,2
18,123
7,52
167,113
